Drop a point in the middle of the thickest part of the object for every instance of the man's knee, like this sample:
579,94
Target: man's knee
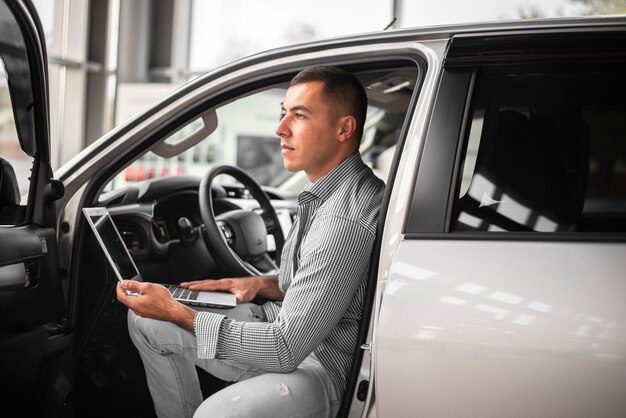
225,404
134,322
160,336
301,393
211,408
141,330
135,328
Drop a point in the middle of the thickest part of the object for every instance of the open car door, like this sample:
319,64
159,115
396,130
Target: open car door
35,343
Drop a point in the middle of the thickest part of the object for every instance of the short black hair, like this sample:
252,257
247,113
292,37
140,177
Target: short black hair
343,90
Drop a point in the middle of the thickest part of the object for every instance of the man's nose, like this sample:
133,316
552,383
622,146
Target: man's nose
282,129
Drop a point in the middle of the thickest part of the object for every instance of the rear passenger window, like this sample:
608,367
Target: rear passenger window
545,152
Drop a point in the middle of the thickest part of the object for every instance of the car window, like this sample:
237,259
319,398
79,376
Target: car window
244,136
545,152
15,164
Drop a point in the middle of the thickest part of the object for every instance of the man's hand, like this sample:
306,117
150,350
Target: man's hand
154,301
245,288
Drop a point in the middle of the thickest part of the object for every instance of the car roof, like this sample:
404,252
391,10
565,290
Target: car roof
501,26
450,30
439,32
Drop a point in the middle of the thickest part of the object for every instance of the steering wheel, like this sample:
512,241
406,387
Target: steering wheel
239,237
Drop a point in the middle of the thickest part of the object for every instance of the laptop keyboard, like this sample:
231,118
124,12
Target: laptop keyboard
182,293
193,297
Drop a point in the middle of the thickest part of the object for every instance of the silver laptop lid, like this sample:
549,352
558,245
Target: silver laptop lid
112,244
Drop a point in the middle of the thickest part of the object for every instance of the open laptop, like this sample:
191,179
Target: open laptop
124,267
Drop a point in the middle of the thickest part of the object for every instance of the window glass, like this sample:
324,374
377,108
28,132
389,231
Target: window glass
546,152
241,133
14,163
243,137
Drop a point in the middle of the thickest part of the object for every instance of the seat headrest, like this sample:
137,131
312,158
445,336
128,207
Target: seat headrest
9,190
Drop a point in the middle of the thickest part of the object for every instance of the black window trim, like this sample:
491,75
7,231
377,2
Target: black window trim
431,192
549,45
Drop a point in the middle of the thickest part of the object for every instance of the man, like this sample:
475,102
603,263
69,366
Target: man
290,356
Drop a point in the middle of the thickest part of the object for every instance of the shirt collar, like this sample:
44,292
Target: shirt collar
327,184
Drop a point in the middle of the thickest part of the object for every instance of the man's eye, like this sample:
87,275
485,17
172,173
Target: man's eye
299,116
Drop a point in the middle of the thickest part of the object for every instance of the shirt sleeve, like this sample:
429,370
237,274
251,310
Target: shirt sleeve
330,271
206,326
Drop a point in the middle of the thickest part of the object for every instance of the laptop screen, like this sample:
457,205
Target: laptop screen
111,242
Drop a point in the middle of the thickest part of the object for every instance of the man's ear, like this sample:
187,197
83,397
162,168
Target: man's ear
347,128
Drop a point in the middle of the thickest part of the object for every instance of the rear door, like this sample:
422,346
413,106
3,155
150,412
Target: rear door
34,342
506,296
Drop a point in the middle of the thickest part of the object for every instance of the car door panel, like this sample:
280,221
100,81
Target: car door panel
20,244
34,338
30,287
506,293
533,322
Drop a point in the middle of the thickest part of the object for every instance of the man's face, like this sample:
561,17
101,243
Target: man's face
308,133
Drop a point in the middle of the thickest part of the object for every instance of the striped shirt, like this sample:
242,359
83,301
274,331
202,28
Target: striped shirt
323,274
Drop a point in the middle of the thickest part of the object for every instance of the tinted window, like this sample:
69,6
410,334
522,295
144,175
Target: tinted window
545,152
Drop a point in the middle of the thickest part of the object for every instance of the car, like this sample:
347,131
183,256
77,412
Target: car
497,284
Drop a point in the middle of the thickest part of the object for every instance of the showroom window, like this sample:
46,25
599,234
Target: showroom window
545,152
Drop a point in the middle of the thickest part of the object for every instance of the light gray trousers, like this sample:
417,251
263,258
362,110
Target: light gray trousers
169,354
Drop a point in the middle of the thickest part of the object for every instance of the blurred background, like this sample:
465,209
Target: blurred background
109,59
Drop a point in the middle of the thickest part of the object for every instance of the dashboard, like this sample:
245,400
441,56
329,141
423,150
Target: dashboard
154,219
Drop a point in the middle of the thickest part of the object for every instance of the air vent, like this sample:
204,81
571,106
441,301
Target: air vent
132,235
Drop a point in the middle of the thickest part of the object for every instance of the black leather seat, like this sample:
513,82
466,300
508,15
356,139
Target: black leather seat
10,211
530,174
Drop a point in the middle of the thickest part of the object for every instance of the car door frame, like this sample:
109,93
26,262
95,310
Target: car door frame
84,179
36,344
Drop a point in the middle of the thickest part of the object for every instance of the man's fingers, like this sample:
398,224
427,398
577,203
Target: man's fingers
238,296
122,296
208,285
195,283
120,291
240,288
135,286
128,284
